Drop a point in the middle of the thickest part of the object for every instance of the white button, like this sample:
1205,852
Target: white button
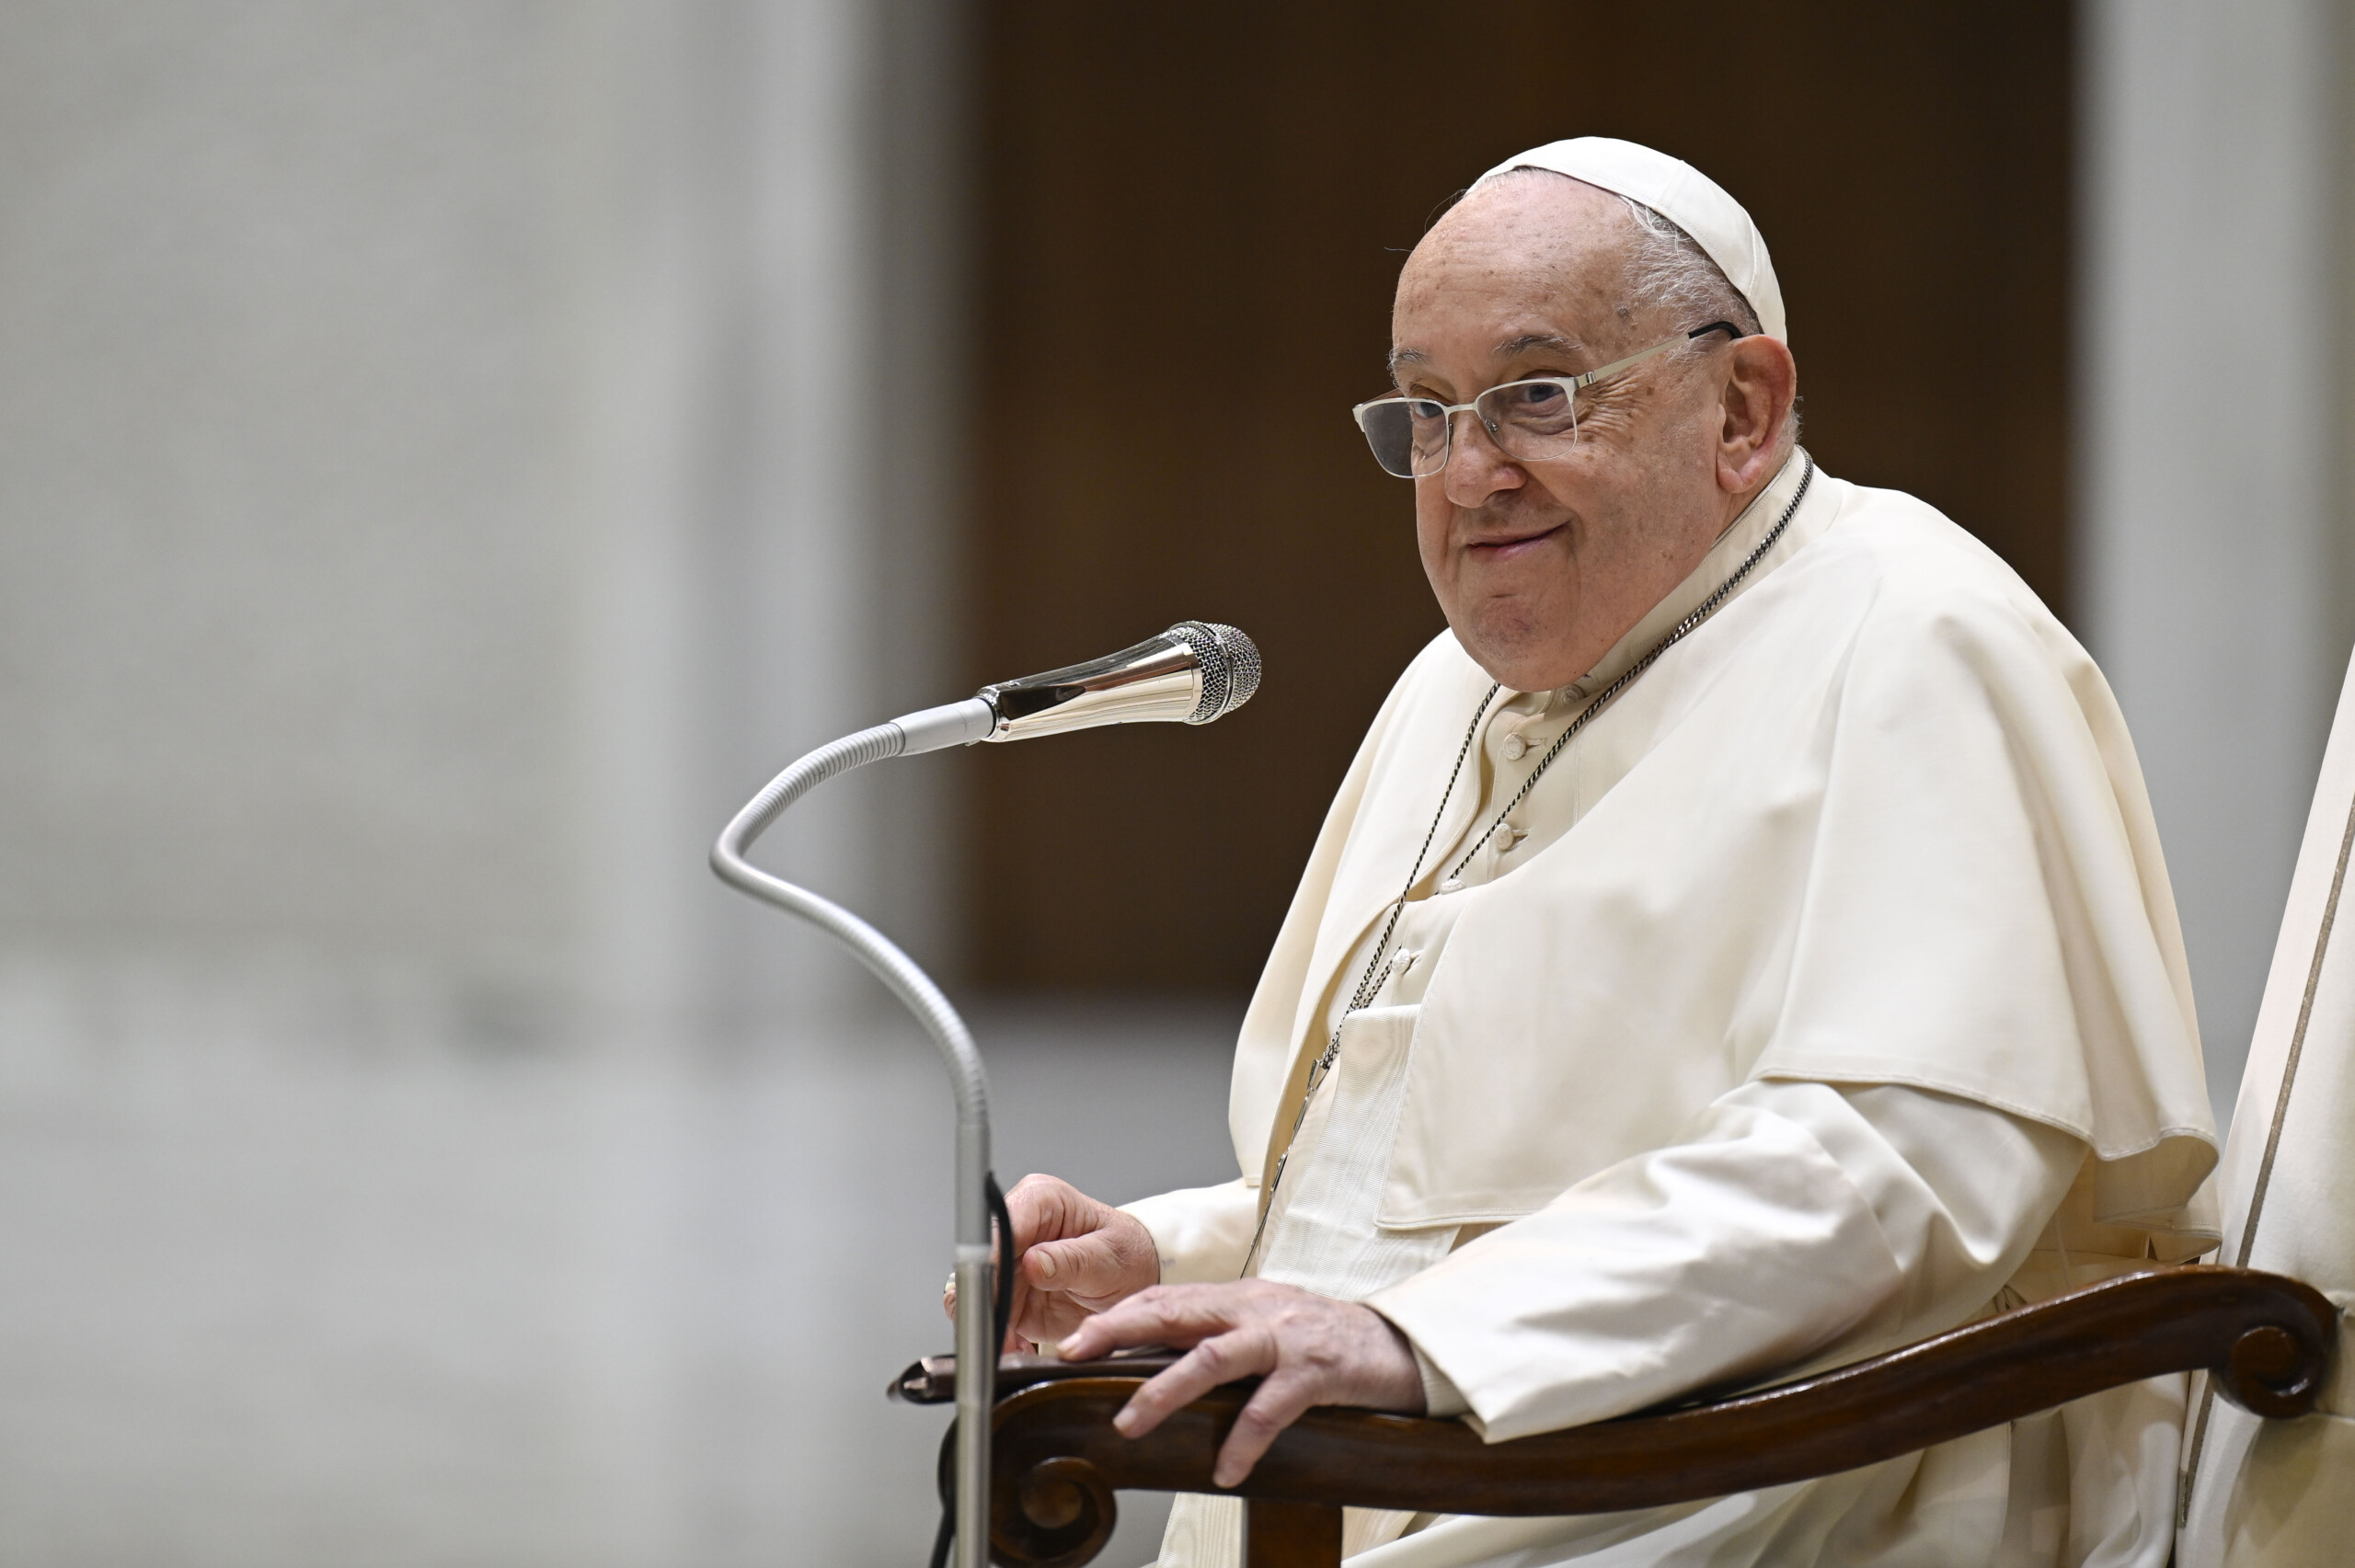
1451,885
1402,961
1515,748
1510,838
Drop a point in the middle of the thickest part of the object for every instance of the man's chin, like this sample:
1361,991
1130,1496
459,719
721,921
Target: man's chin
1517,654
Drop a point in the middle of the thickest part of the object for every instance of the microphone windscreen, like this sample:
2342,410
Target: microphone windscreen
1229,662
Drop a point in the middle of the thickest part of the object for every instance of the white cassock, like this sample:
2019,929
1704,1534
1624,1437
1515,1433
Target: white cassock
1824,993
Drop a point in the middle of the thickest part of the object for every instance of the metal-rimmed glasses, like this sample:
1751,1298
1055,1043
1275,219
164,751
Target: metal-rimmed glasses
1529,420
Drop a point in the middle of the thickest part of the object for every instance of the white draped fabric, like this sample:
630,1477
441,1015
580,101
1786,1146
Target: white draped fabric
1825,992
2277,1493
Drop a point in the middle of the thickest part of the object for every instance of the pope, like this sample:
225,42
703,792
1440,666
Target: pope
1740,946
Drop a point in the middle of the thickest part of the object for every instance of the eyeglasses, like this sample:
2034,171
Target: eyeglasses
1529,420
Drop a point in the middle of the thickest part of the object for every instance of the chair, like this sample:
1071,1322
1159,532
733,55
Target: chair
2261,1493
2270,1474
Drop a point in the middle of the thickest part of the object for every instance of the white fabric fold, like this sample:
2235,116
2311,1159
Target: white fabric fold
1825,993
1904,1211
1790,1216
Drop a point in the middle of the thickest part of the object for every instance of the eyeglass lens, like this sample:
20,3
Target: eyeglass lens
1528,419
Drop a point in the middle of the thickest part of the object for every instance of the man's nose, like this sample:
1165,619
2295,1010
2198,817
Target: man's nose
1476,466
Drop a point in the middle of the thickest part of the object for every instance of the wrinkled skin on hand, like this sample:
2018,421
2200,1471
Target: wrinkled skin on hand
1087,1275
1308,1350
1074,1257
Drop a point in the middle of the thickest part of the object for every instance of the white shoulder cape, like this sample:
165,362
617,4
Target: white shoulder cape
1879,821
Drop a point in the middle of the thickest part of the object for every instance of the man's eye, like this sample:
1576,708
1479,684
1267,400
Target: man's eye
1527,403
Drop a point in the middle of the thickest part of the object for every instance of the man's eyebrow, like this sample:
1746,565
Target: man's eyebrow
1529,341
1401,358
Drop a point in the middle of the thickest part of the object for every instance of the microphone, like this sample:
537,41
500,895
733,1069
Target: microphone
1193,673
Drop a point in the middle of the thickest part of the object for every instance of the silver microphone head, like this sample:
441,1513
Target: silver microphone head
1193,673
1230,666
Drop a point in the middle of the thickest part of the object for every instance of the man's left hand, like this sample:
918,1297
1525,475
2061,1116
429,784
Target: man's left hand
1307,1349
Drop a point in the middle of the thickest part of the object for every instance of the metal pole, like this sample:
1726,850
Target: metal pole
976,1338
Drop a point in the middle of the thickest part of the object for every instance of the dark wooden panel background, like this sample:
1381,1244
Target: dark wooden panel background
1192,218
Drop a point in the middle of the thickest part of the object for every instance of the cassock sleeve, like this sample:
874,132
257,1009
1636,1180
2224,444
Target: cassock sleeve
1796,1218
1202,1233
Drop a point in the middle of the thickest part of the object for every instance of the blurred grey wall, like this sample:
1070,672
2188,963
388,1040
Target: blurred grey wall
2215,524
439,479
450,455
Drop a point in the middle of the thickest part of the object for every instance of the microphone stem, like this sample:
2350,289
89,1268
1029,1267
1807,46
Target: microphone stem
977,1337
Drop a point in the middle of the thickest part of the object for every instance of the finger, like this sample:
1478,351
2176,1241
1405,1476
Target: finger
1089,1265
1165,1314
1274,1405
1035,1316
1014,1343
1134,1321
1123,1326
1018,1303
1043,1209
1242,1353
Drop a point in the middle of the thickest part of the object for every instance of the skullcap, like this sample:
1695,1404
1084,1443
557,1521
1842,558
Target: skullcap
1683,195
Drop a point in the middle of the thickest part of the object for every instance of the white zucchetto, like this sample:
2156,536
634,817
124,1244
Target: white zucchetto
1683,195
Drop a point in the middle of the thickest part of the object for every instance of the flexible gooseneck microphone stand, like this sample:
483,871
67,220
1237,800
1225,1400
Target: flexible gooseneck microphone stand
1194,672
958,724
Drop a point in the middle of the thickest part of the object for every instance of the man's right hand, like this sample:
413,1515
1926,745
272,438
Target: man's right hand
1073,1258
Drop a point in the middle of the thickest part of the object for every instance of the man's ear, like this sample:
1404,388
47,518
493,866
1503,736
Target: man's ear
1761,381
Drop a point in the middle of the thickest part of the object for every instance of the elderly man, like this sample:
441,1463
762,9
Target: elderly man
1740,945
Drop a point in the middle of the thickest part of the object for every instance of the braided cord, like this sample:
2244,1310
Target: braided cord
1367,985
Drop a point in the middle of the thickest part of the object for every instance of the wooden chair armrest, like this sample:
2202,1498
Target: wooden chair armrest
1058,1460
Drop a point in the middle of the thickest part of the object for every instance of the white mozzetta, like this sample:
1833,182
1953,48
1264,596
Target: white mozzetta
1832,994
